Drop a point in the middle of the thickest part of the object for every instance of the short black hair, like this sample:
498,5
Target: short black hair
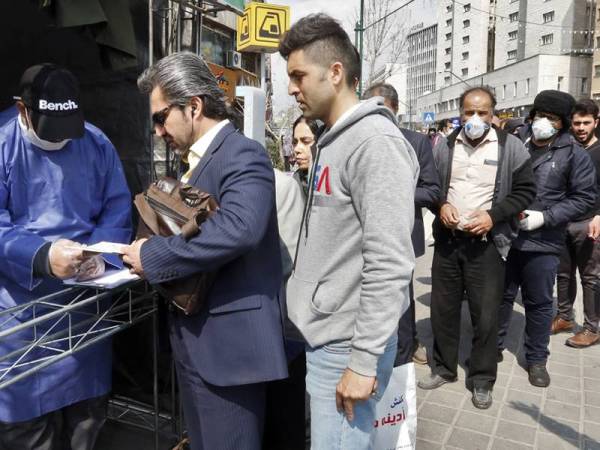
385,90
485,89
586,107
312,124
325,41
442,124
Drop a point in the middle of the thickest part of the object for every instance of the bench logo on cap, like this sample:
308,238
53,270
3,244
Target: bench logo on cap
57,106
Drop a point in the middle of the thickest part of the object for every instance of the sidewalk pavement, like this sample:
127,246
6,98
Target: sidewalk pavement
566,415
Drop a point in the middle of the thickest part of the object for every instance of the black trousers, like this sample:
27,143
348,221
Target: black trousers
407,333
584,254
74,427
285,416
474,266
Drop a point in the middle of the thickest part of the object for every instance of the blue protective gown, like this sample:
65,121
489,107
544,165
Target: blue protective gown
77,193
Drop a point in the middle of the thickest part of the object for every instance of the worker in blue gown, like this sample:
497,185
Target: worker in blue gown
62,187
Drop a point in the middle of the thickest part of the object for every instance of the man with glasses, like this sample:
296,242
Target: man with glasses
226,353
61,185
566,189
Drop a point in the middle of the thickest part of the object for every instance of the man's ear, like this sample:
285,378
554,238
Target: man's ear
196,105
337,73
21,107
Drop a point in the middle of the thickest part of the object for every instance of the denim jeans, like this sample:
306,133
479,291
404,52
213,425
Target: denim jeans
329,428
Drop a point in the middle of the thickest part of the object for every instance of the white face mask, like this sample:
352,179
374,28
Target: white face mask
33,138
475,127
543,129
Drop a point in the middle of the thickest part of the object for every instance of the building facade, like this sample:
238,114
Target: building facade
465,31
531,45
421,63
595,74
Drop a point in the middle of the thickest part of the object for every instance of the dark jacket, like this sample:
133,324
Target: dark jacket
237,338
594,152
427,193
514,189
566,189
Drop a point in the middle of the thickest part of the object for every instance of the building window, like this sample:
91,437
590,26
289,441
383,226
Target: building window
466,23
548,17
448,36
527,86
466,39
584,85
448,22
215,45
448,8
467,7
560,80
448,50
547,39
503,92
597,71
515,89
465,56
447,80
512,35
512,54
465,72
447,66
513,17
598,41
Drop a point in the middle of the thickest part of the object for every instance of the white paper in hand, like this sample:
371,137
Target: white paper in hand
105,247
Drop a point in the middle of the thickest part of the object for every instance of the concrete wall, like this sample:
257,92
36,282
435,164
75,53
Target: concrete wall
529,76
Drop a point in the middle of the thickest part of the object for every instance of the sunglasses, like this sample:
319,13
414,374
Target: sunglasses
160,117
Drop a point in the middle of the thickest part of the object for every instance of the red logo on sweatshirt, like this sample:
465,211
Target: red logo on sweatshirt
323,178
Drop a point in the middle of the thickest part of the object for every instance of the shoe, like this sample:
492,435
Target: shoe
433,381
560,325
482,398
538,375
420,354
499,356
583,339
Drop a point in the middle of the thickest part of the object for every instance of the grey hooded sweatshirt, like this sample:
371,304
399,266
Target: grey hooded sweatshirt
355,258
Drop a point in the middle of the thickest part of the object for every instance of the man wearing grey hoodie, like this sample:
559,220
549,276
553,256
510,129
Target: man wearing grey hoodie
354,259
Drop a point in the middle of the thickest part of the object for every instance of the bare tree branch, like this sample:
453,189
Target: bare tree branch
385,41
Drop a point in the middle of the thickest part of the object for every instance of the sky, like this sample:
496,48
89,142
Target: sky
342,10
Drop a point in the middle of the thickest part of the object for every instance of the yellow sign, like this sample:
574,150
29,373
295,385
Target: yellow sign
261,27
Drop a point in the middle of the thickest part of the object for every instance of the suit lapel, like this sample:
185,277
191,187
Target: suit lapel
210,151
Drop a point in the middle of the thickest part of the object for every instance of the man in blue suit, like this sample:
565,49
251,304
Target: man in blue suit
226,353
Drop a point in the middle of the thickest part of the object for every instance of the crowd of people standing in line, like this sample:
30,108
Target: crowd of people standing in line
313,271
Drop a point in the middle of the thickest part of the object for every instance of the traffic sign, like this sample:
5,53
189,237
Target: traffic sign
428,117
261,27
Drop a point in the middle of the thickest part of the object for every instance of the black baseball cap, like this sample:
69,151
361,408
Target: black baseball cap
52,94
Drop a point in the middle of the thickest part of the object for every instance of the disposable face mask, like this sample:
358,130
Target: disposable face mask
33,138
543,129
475,127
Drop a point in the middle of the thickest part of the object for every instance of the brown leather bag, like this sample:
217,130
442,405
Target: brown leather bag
168,208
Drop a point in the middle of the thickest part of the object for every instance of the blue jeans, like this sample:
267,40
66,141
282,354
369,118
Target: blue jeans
329,428
535,274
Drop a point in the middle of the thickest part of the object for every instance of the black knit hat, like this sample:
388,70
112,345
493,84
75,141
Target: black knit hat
555,102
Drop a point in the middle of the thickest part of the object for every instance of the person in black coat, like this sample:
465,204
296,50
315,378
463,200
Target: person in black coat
427,194
566,189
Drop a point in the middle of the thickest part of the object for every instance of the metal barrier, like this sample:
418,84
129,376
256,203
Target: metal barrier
53,330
